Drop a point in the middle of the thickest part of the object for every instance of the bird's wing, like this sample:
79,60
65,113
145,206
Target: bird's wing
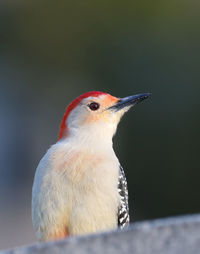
123,209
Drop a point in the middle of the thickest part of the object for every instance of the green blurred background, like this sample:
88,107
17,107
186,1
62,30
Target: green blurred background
52,51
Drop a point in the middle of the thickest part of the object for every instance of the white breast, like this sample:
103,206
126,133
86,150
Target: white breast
75,189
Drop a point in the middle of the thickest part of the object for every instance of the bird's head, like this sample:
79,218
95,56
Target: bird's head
96,112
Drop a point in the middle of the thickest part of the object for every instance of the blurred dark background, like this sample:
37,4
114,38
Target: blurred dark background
52,51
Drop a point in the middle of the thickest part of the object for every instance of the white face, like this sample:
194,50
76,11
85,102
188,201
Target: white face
93,113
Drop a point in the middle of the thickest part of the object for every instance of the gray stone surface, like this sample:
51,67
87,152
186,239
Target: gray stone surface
179,235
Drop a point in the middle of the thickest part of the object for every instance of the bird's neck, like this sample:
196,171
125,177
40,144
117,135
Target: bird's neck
93,138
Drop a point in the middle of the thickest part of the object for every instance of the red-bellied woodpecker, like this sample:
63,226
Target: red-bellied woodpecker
79,185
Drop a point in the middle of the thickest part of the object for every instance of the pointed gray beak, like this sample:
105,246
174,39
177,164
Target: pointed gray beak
129,101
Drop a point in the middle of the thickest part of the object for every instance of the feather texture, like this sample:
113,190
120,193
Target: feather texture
123,209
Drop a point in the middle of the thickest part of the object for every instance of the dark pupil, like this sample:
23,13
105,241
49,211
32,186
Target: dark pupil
94,106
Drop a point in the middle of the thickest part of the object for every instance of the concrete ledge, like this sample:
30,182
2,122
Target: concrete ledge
178,235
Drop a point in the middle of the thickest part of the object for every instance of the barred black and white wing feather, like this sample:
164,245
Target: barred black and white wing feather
123,209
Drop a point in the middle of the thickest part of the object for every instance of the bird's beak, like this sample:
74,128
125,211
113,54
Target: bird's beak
129,101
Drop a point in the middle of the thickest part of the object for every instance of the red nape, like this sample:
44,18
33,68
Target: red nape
72,105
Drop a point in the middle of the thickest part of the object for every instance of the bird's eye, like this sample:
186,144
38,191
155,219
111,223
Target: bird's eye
94,106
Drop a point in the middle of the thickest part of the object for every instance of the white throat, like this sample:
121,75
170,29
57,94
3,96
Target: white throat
99,134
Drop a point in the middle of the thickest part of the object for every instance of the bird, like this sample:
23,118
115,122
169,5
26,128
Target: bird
79,185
